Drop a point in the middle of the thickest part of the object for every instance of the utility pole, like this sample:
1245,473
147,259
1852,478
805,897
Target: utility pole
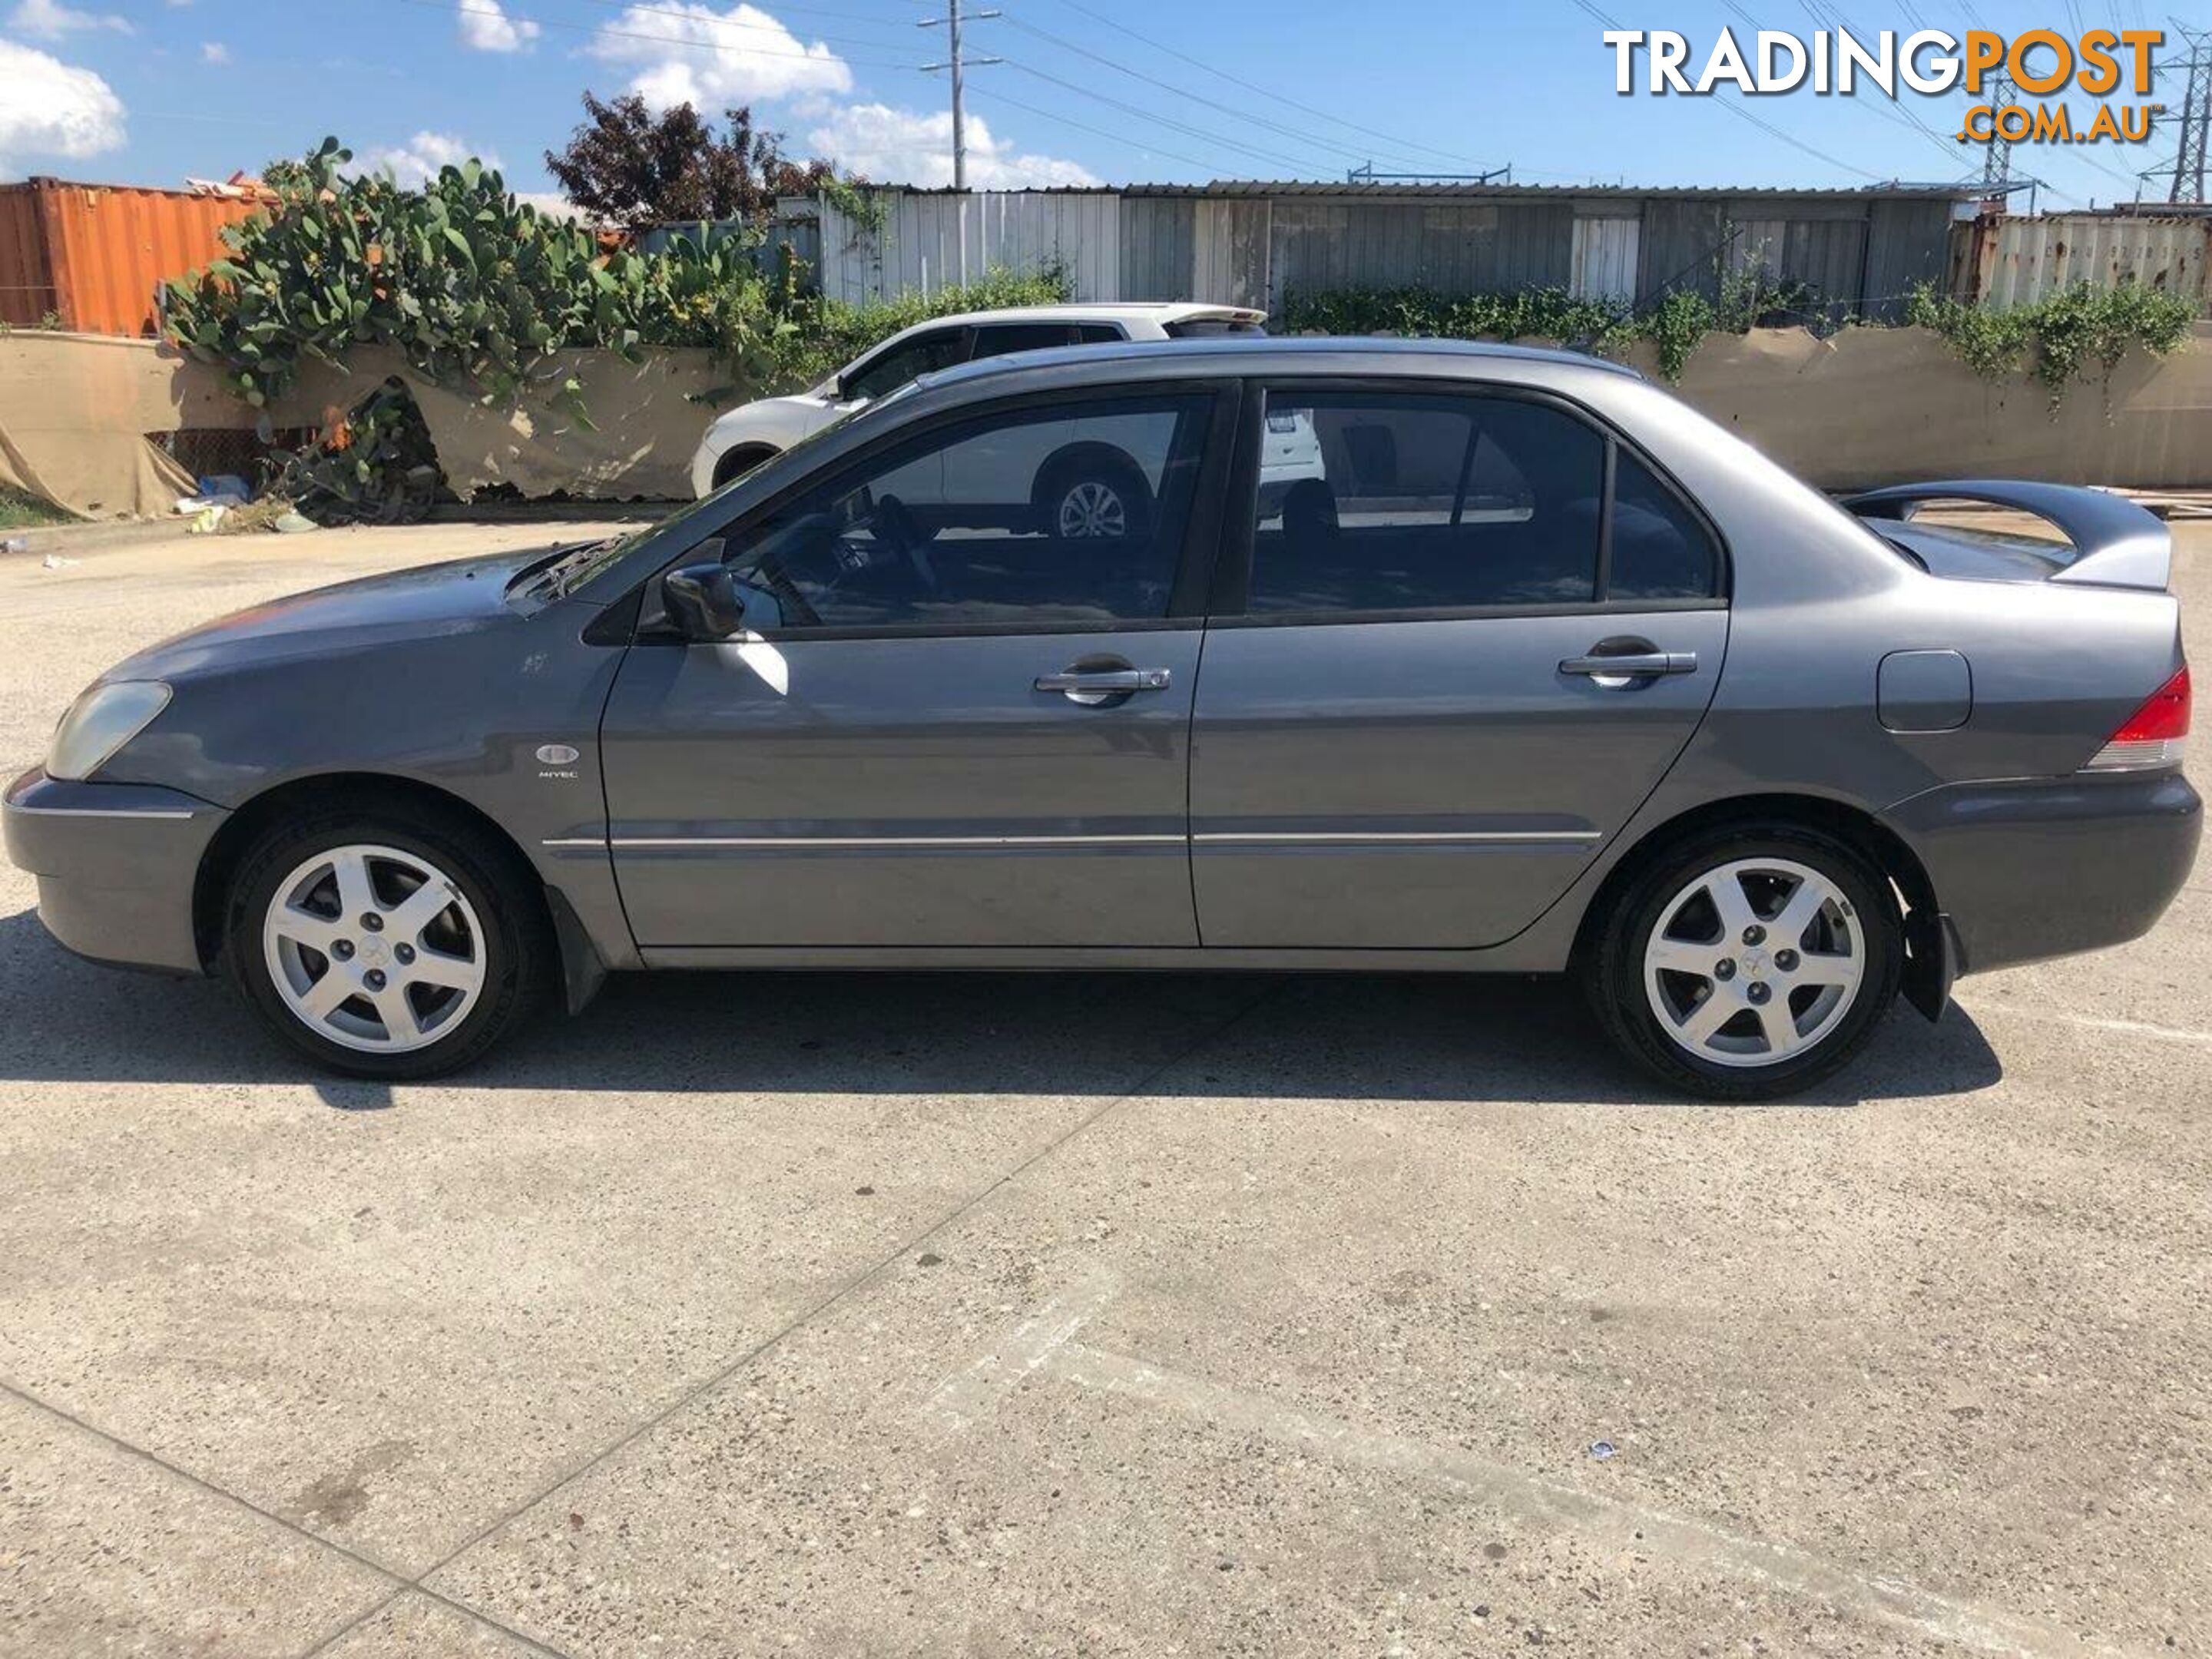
958,63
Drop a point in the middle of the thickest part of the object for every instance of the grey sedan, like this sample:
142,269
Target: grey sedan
1529,669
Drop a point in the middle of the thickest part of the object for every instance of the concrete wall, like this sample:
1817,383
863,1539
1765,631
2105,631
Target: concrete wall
1867,406
1884,406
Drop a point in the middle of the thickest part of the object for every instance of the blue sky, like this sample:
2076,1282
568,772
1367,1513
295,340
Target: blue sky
149,91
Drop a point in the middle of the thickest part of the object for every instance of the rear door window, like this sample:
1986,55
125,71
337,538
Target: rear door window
1659,550
1382,501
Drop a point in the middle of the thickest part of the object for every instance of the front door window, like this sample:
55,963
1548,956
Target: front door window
1059,515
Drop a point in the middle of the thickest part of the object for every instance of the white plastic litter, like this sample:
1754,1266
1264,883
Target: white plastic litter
55,561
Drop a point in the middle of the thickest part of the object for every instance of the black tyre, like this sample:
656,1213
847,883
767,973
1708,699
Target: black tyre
396,945
1747,962
1092,493
742,461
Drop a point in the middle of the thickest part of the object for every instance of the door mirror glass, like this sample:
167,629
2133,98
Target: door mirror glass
703,601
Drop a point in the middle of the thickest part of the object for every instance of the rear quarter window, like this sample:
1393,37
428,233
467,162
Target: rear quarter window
1207,328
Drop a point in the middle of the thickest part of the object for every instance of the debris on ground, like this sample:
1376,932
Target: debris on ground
55,561
1602,1449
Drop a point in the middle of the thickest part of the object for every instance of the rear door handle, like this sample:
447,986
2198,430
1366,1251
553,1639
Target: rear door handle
1093,686
1632,665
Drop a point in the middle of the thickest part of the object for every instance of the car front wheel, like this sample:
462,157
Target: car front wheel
385,950
1750,964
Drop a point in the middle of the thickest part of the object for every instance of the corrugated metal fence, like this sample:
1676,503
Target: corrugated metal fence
928,241
1857,254
2013,261
90,256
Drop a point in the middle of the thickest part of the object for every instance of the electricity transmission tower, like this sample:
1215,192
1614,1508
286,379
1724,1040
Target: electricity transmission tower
1997,165
958,63
2196,117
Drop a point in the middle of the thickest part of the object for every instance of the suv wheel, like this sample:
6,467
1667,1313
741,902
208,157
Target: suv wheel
1096,494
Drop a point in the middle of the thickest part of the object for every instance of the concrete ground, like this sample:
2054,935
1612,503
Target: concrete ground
848,1314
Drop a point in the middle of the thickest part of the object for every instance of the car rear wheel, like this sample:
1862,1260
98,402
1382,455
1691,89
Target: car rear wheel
1748,963
385,949
1095,495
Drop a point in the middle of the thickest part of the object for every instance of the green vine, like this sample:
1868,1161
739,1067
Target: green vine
1681,319
2057,338
1676,326
864,208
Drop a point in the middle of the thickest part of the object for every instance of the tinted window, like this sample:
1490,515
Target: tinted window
1069,514
1098,333
1198,328
1660,551
998,339
1376,501
923,354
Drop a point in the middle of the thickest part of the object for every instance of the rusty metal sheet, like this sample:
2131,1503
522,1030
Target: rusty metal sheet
92,255
2027,259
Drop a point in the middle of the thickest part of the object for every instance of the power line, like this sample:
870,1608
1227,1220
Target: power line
994,94
1272,157
1253,86
2189,153
1166,86
1759,121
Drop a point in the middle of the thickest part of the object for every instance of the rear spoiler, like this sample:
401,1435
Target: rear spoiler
2116,544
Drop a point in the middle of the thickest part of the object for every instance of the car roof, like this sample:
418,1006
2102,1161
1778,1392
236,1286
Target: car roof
1069,311
1251,354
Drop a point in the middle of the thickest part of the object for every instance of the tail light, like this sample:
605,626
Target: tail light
2153,734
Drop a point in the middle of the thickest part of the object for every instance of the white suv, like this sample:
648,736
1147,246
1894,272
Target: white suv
744,438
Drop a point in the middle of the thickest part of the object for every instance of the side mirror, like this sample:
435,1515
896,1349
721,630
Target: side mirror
703,602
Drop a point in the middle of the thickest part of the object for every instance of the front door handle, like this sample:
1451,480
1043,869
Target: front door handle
1093,686
1632,664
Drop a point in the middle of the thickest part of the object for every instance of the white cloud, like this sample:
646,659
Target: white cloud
415,163
486,28
53,108
550,202
49,19
724,57
214,51
902,147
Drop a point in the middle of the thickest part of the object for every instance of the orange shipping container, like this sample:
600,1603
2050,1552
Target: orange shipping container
91,256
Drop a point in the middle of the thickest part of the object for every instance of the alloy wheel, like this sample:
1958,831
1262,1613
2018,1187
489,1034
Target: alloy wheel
1754,962
1093,509
375,948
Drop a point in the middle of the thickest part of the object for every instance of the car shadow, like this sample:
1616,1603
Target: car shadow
1376,1037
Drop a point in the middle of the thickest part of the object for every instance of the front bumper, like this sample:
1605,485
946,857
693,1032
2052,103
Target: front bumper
2048,866
116,864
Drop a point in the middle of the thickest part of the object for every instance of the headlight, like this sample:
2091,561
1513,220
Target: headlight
100,722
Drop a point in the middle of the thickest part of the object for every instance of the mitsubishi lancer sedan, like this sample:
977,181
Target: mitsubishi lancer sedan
1538,671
